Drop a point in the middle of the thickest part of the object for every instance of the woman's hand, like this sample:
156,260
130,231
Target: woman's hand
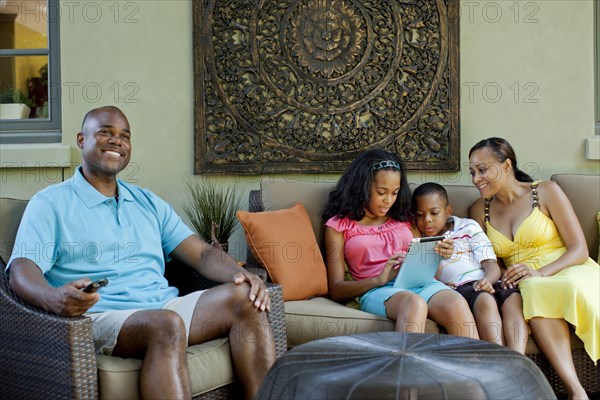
517,273
391,267
445,248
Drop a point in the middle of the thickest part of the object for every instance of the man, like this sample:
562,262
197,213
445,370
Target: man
96,226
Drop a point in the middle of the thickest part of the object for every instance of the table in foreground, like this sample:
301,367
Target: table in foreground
390,365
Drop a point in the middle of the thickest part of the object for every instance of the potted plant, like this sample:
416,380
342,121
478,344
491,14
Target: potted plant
14,104
211,211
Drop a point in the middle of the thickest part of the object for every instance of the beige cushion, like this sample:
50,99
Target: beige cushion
320,317
11,211
209,365
283,193
583,192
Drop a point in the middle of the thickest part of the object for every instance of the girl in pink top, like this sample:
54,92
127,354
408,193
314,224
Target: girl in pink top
369,228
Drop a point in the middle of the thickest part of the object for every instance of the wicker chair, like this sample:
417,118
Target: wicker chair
47,356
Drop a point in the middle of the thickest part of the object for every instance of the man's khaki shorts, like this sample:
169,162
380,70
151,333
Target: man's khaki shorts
107,325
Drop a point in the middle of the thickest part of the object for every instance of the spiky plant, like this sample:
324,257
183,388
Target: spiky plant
15,95
211,210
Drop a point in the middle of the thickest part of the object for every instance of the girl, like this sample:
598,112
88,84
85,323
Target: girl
368,226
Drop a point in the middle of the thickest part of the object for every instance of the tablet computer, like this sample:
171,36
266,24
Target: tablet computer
421,263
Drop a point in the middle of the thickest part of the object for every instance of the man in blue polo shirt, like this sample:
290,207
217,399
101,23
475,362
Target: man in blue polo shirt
95,226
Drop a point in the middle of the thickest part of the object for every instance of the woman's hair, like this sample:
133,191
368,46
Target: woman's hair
350,196
503,151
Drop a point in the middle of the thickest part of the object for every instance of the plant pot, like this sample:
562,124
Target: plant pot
14,111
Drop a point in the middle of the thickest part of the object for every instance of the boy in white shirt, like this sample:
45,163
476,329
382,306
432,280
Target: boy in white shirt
473,269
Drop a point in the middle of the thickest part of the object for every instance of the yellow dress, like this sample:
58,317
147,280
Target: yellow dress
572,294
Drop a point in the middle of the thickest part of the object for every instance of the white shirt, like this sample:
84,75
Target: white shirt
471,247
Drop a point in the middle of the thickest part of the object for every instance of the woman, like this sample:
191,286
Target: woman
536,233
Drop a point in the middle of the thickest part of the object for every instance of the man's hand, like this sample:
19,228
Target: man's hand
27,280
258,290
70,301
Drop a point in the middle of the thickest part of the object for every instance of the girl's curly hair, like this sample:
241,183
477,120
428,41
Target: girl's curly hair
350,196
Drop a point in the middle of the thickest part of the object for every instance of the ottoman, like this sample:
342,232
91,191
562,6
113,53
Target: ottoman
391,365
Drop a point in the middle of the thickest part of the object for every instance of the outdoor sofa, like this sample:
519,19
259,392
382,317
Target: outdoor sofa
319,317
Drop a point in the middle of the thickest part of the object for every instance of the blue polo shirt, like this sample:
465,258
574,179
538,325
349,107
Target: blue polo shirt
72,231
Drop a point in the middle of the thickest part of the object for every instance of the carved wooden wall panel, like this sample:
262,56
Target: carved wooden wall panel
306,85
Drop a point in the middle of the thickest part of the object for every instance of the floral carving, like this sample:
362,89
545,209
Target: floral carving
305,85
327,36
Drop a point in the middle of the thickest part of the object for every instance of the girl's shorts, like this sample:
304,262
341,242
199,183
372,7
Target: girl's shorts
374,300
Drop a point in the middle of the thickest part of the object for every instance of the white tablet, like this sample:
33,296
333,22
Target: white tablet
420,265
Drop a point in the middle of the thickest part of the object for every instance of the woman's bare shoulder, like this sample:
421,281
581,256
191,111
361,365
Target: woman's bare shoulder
551,195
549,186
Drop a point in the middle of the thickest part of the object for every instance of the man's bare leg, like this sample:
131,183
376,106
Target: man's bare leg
227,311
157,337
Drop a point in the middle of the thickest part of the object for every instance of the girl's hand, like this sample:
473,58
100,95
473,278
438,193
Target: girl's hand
484,285
391,267
445,248
517,273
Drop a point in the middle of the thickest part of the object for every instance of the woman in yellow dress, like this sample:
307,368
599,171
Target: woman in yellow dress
536,233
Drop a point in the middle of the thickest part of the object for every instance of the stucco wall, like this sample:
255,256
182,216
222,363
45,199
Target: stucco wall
527,73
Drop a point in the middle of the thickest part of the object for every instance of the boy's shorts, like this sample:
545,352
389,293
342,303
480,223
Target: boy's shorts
374,300
107,325
500,295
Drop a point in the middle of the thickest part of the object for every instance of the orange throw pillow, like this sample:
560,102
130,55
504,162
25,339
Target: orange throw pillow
284,242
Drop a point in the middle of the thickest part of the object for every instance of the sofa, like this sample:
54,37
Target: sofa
47,356
320,317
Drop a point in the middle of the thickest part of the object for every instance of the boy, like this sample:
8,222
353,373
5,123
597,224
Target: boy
472,270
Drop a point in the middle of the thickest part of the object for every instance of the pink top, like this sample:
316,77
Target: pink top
367,248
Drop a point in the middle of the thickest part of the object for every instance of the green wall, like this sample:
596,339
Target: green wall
527,74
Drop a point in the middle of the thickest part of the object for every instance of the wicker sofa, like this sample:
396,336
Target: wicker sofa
47,356
320,317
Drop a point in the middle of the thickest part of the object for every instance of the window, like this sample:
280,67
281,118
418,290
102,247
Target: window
29,71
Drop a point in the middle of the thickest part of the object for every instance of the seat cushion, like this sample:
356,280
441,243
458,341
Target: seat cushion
321,317
583,192
209,365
